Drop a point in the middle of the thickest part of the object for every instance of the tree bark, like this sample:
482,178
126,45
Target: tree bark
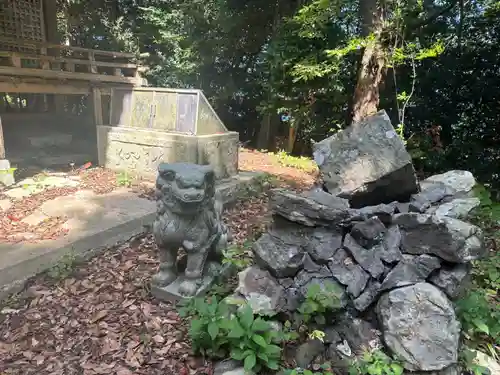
370,72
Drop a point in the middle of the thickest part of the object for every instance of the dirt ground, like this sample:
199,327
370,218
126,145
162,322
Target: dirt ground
99,317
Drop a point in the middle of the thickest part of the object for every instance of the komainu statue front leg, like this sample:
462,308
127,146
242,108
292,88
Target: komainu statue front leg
167,272
196,259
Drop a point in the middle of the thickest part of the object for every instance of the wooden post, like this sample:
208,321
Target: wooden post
15,60
97,101
93,67
2,145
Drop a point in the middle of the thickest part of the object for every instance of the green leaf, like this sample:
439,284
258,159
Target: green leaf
201,306
320,319
246,317
197,325
250,362
396,368
263,356
273,349
236,330
213,330
222,309
260,324
237,354
481,326
272,364
259,340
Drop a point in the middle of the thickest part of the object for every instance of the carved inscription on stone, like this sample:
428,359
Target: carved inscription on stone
144,158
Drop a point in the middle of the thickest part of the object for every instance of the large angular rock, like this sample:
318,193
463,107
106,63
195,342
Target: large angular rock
390,248
345,270
360,334
450,239
411,270
260,290
452,279
459,181
281,250
367,163
307,352
433,193
369,232
383,211
368,296
323,243
419,325
311,209
367,258
458,208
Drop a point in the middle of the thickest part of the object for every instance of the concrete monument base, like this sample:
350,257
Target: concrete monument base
141,151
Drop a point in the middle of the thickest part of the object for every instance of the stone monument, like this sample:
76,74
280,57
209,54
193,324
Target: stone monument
189,217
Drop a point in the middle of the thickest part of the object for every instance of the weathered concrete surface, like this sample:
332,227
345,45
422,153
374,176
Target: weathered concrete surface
141,151
95,223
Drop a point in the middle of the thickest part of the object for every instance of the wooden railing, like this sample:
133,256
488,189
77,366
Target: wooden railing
54,61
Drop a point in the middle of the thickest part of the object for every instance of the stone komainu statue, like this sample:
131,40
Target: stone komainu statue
189,215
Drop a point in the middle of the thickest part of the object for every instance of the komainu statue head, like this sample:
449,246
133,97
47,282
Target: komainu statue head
185,188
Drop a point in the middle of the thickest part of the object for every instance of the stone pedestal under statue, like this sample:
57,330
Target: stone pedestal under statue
189,219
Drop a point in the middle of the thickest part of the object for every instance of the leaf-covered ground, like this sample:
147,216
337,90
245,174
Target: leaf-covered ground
99,317
297,172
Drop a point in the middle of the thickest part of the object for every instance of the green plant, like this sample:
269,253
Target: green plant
479,317
206,330
375,363
326,369
298,162
240,256
486,274
9,171
479,311
253,341
289,334
317,335
319,300
467,358
216,332
63,267
124,179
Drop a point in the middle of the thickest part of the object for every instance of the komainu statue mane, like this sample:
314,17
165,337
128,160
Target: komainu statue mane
189,216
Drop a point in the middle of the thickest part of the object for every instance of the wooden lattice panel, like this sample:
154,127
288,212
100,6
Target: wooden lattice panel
21,19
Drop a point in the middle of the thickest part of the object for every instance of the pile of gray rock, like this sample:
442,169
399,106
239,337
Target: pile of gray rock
398,249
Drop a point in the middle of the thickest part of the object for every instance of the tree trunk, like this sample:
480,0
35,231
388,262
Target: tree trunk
264,133
370,72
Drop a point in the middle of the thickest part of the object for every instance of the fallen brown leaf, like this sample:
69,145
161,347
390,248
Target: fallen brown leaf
99,315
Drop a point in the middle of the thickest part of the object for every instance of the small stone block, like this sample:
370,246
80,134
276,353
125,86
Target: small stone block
6,175
4,164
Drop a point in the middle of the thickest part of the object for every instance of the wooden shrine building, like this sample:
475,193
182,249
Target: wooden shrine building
50,91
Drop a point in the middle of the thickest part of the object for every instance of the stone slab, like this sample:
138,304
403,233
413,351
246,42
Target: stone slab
140,151
95,223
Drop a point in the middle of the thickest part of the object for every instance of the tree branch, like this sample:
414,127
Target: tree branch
433,16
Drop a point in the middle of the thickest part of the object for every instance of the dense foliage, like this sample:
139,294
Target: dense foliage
259,59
